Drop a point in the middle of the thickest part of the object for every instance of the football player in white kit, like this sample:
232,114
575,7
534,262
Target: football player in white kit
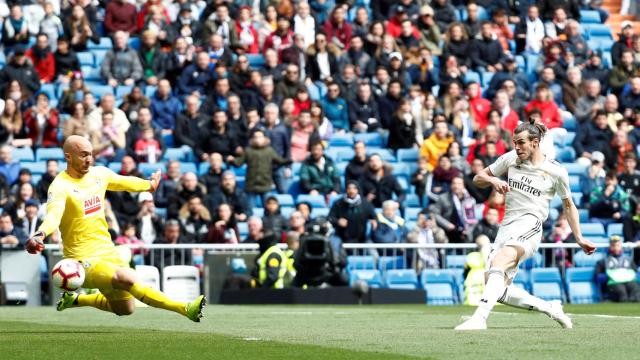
532,181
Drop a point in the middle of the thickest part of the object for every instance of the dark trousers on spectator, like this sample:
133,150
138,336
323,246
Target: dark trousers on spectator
625,292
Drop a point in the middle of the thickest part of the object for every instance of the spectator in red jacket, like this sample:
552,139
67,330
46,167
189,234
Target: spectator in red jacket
544,102
120,15
491,134
337,29
509,116
248,39
42,59
480,106
280,39
148,9
42,122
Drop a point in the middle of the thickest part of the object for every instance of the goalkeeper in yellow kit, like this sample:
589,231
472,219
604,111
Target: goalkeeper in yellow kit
75,205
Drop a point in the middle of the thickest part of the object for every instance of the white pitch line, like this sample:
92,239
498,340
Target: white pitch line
602,316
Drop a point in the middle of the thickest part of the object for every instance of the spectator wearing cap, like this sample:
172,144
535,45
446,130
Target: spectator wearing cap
625,41
486,52
543,101
616,274
186,26
121,64
42,123
445,13
15,29
66,61
398,70
590,102
20,69
394,25
530,32
623,72
120,15
429,32
318,174
42,58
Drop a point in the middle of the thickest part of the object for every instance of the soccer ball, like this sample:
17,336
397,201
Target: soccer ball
68,275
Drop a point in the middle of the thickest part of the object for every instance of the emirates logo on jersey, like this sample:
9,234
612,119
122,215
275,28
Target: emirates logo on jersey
92,205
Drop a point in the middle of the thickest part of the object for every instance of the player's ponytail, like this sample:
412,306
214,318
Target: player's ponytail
536,130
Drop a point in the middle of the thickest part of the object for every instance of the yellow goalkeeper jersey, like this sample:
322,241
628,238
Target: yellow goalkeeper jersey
76,207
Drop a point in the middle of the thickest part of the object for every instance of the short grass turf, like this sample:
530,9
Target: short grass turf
601,331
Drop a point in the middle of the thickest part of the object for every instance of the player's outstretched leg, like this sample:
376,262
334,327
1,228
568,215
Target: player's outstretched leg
125,279
517,297
71,300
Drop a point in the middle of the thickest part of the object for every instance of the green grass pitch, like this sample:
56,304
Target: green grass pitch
606,331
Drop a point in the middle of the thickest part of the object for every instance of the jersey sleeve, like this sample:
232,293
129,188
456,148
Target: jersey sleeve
562,185
500,166
56,201
117,182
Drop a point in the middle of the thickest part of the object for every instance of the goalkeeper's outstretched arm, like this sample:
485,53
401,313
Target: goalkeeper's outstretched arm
131,183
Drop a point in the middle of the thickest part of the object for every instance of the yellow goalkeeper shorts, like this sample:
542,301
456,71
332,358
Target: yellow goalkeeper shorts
99,273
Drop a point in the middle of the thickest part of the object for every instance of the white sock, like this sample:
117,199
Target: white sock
520,298
493,290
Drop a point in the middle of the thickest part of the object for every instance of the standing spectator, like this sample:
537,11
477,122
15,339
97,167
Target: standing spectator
335,107
454,212
66,61
230,193
80,29
213,177
42,59
436,144
223,229
486,52
402,132
589,103
8,168
631,228
42,123
378,184
357,165
281,143
572,89
318,174
120,15
390,227
609,203
543,101
121,65
260,158
164,107
364,111
216,136
445,13
350,214
594,136
15,30
18,68
188,123
530,32
617,272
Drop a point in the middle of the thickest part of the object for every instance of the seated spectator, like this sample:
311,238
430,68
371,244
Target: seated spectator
15,29
272,70
51,25
297,223
486,52
107,104
620,147
548,77
133,102
427,232
421,178
109,141
617,274
12,130
550,114
19,69
631,100
496,201
186,26
455,220
594,136
594,175
248,40
220,23
42,123
280,38
629,177
402,133
631,228
318,174
25,177
555,23
611,110
223,228
273,219
22,192
195,218
457,44
441,177
147,148
42,187
10,236
622,73
560,234
472,23
609,203
168,184
303,133
136,132
260,159
530,32
42,59
121,65
390,227
120,15
216,136
289,85
594,69
335,107
128,238
324,127
480,195
572,89
501,28
230,193
171,235
187,187
378,184
590,102
80,29
31,221
164,107
160,27
445,13
73,94
196,78
487,226
390,103
188,122
363,111
212,178
436,144
153,60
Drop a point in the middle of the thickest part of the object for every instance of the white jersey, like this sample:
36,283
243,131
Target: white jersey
532,188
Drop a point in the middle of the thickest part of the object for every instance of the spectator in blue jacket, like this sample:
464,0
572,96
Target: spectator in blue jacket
165,107
196,78
8,168
391,227
335,107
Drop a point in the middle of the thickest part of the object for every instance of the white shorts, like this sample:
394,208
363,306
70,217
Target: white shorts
524,232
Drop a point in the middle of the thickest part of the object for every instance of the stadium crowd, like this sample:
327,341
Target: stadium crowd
243,102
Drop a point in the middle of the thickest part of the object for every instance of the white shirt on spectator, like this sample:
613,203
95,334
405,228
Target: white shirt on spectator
305,27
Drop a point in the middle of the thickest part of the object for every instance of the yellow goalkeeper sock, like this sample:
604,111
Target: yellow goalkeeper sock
96,300
156,298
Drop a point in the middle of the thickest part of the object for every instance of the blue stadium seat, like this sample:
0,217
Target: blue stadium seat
408,155
486,78
104,44
186,167
472,76
174,154
568,139
340,154
345,140
101,90
607,62
599,31
574,183
243,229
370,139
440,286
134,43
115,166
49,90
22,154
316,201
240,170
203,168
411,214
455,261
581,288
123,90
161,212
592,229
149,91
584,215
606,45
256,60
91,74
391,262
285,200
401,279
38,167
257,212
385,154
43,154
371,277
565,155
546,283
614,229
575,168
533,262
99,56
360,263
522,279
147,169
590,17
316,212
86,58
412,201
570,124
